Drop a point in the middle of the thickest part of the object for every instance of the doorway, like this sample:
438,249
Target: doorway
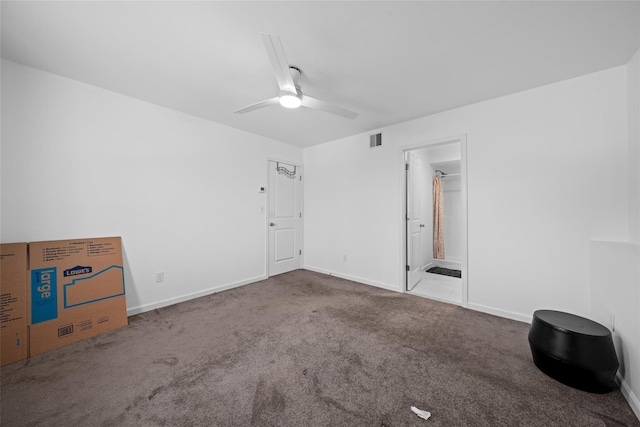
284,217
435,232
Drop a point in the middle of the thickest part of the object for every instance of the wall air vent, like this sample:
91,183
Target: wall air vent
375,140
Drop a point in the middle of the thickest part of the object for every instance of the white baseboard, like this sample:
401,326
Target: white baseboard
500,313
352,278
170,301
447,263
629,395
428,266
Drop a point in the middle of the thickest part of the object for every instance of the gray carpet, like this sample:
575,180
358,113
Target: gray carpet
301,349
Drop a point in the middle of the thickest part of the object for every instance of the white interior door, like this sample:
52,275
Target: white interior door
414,221
285,217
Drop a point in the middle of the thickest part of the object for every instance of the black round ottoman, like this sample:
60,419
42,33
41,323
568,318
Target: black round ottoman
576,351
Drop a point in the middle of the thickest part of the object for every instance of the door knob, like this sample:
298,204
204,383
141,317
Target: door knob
272,224
421,225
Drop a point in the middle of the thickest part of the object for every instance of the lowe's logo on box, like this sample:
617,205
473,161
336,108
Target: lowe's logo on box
44,295
77,270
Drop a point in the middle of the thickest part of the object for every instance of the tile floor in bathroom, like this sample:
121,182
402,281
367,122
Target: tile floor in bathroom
439,287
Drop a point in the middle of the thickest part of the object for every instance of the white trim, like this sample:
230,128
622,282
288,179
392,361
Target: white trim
418,145
445,263
352,278
431,297
402,150
428,266
170,301
465,218
628,394
500,313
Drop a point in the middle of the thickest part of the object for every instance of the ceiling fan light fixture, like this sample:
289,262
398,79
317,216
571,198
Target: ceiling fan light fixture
287,76
289,100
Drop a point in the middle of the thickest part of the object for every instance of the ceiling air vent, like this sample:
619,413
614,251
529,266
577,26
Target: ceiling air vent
375,140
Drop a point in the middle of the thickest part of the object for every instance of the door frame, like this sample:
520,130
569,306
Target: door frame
267,210
462,140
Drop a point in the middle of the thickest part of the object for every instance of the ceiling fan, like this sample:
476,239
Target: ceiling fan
290,95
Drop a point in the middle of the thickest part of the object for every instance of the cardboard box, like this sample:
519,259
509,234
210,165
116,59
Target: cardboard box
76,291
13,303
15,344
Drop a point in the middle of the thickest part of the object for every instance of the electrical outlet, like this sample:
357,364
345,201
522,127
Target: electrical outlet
160,276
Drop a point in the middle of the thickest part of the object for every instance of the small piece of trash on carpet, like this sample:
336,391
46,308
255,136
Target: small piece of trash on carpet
422,414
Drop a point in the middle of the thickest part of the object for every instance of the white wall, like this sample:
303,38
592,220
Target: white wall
615,291
452,201
634,198
633,81
537,193
79,161
352,204
446,153
615,265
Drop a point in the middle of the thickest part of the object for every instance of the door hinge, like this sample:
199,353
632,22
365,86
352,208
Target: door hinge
408,269
300,251
300,214
406,166
300,177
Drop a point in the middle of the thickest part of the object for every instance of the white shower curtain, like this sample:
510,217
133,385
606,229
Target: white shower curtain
438,220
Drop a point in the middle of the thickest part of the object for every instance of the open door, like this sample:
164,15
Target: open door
285,217
414,226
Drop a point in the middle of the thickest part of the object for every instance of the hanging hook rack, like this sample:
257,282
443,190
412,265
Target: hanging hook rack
286,172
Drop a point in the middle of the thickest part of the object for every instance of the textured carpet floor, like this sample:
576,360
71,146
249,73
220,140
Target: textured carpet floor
301,349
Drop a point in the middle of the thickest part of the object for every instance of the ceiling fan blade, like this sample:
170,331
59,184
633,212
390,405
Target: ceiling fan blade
258,105
279,62
316,104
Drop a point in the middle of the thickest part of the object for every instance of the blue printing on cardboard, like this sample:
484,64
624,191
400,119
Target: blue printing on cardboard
73,282
44,295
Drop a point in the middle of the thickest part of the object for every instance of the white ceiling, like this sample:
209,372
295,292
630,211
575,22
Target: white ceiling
388,61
